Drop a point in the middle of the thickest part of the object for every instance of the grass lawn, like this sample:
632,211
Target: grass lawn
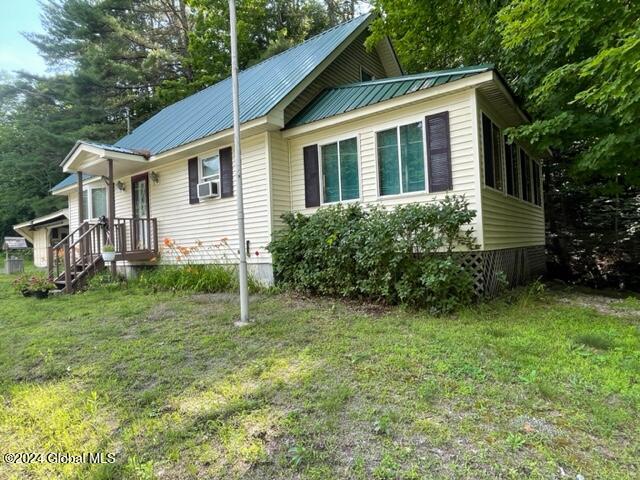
540,386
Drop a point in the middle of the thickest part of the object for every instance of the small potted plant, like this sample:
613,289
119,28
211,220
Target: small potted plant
37,285
21,285
108,253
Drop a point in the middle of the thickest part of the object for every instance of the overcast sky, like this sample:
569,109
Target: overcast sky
16,53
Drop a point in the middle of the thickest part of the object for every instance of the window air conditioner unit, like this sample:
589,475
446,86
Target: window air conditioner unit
209,189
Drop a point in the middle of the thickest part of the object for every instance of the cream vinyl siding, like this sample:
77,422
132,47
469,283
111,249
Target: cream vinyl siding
213,219
280,178
507,222
463,158
344,69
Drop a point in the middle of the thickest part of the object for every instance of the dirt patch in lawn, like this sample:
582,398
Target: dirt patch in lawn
623,308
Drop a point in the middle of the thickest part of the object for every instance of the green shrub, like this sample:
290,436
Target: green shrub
105,281
195,278
400,256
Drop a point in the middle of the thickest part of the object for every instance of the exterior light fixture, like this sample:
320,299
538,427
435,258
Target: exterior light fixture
155,178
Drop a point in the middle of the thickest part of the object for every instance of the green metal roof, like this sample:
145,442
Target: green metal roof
346,98
70,180
262,87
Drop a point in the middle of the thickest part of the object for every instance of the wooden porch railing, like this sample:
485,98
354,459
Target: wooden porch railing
79,254
76,255
135,237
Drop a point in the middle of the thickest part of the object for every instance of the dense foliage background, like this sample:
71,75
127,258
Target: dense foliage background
573,64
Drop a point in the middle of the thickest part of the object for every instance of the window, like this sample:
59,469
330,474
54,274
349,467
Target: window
401,159
94,202
98,202
525,167
366,76
537,197
210,168
492,149
512,167
340,179
85,204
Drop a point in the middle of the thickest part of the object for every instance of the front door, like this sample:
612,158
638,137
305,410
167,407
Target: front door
140,199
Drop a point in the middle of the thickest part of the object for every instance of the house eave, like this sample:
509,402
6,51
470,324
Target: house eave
392,104
55,219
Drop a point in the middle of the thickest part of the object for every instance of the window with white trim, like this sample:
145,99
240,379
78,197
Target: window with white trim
210,168
401,167
340,178
94,202
492,151
512,168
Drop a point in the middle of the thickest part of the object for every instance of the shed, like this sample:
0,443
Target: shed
43,232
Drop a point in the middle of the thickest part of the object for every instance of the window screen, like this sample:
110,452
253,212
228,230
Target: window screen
388,162
85,204
511,164
401,159
525,166
210,168
492,151
340,180
349,180
412,155
537,197
98,202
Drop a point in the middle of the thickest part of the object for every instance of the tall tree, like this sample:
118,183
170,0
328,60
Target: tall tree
121,51
265,27
575,64
439,34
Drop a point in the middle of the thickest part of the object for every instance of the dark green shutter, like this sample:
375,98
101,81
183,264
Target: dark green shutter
311,176
439,152
226,173
193,180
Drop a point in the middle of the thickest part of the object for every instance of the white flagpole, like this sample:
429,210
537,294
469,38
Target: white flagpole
244,290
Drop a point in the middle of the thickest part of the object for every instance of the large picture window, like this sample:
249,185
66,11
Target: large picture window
340,179
401,159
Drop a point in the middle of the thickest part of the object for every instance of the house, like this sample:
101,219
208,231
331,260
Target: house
326,121
44,232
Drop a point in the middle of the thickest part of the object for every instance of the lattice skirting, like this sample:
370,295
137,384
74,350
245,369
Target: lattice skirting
491,269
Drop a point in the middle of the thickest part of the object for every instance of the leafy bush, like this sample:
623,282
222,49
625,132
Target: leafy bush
195,278
399,256
105,281
33,283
